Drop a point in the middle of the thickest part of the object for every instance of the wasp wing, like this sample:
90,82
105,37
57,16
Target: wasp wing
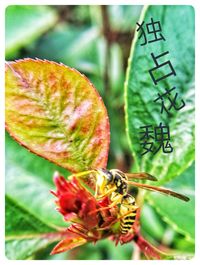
159,189
141,175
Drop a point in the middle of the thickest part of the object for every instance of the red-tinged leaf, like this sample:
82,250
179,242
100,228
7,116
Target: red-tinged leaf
70,242
55,112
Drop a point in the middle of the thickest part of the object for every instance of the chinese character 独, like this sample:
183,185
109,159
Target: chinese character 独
153,29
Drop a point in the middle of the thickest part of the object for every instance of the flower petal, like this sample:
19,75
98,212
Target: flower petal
70,242
90,217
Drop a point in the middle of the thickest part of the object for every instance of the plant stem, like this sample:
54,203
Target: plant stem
136,252
106,33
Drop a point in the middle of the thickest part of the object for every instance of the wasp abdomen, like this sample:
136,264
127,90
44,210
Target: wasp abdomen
127,222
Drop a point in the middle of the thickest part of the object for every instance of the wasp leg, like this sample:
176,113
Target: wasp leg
107,193
82,174
98,210
117,220
117,201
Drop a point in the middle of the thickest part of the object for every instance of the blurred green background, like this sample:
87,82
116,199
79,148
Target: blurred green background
96,40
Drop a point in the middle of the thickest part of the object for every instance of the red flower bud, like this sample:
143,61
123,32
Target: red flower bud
91,219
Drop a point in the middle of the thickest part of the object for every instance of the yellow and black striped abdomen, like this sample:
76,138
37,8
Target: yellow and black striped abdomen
127,212
127,222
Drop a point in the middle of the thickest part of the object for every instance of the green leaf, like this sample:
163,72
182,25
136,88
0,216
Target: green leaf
25,233
55,112
24,248
150,222
29,181
140,91
123,17
180,215
30,208
32,193
29,162
79,47
74,46
184,245
26,23
20,222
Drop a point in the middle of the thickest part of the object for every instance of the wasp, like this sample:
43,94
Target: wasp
114,184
